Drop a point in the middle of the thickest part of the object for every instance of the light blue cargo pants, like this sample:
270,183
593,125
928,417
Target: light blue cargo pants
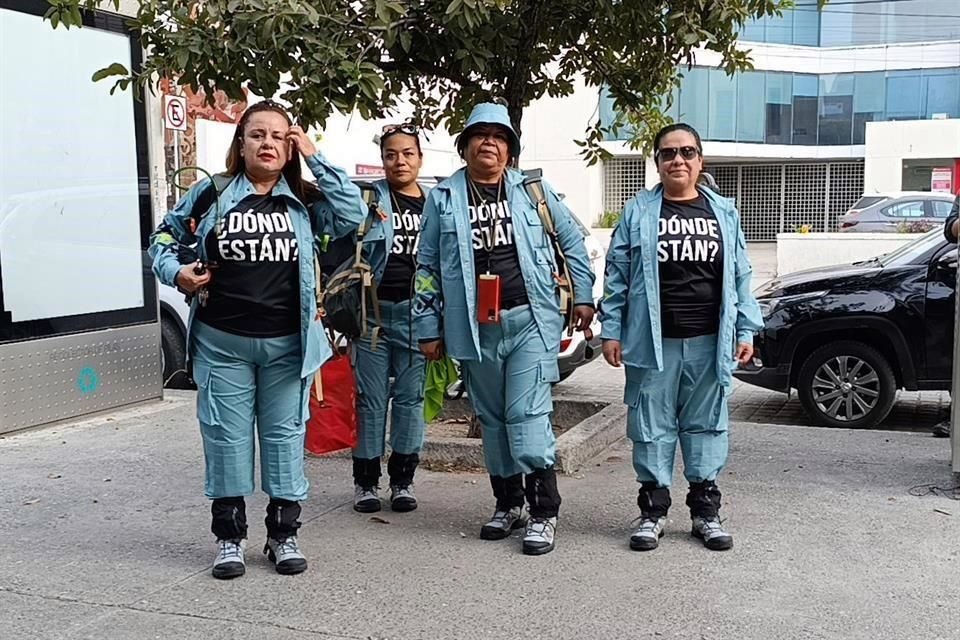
245,384
511,392
685,401
397,355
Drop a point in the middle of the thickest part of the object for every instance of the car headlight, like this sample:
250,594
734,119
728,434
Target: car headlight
769,306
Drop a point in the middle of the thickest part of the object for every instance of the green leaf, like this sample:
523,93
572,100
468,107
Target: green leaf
115,69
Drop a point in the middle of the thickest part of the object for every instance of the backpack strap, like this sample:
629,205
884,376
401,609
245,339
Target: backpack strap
208,198
535,191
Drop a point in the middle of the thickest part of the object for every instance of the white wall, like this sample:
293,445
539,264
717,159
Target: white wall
799,251
890,143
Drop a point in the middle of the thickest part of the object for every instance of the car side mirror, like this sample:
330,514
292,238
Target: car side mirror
948,262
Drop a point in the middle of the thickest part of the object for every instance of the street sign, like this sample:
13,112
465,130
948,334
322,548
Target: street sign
941,180
174,112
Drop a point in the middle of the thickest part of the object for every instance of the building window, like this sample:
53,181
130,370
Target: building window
694,96
722,121
779,107
836,109
940,89
903,95
750,108
868,102
804,109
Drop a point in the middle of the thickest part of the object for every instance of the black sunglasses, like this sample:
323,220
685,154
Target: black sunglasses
407,128
667,154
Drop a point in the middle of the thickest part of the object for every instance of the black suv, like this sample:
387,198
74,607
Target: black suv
847,337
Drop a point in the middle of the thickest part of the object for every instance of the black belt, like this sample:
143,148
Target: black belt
516,302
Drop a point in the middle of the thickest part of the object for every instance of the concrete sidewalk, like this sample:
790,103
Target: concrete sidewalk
105,536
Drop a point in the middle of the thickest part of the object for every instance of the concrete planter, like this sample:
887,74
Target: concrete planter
799,251
591,428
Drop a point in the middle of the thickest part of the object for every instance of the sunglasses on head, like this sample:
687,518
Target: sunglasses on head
406,127
667,154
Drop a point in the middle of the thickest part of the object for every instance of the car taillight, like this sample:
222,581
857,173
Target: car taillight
565,343
848,225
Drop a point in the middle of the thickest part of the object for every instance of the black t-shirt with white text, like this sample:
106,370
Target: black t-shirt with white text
401,255
494,245
690,257
255,289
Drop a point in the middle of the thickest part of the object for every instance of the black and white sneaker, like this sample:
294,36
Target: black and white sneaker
286,556
365,499
402,498
503,523
538,539
647,536
710,530
229,561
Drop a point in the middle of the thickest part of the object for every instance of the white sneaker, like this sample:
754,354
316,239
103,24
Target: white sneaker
285,554
229,561
710,530
502,523
402,498
365,499
539,536
647,536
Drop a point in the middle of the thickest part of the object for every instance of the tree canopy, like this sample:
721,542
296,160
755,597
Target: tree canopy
442,56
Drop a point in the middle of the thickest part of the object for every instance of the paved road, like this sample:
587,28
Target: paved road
106,537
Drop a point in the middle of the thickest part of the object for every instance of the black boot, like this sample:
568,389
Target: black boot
508,491
282,526
704,502
366,477
401,467
229,518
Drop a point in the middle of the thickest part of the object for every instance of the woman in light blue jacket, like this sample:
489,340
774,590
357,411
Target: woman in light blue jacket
392,352
679,315
254,336
486,293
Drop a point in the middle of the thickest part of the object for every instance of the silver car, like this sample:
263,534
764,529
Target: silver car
897,212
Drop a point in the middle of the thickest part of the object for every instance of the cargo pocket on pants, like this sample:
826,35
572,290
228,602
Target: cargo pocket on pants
639,414
206,404
541,396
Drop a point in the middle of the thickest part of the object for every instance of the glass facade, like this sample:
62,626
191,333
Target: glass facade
804,109
852,23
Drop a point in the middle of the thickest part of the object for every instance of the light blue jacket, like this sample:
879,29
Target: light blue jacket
446,283
379,239
341,209
631,296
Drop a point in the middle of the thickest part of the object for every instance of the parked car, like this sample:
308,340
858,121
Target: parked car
848,337
891,212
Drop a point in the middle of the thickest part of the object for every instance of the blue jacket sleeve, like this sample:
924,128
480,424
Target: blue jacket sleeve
342,207
749,316
428,293
616,279
574,250
174,231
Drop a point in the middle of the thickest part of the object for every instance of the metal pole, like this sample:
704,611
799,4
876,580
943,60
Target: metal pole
826,201
955,386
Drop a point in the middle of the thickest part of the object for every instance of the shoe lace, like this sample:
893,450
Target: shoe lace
230,549
538,526
712,525
287,546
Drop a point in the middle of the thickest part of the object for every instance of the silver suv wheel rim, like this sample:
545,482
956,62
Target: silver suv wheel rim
846,388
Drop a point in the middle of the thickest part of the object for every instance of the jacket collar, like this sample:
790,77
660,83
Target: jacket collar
512,177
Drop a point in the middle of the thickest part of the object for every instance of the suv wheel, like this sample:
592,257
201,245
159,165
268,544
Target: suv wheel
847,384
173,355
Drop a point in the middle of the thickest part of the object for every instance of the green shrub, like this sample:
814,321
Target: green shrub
608,219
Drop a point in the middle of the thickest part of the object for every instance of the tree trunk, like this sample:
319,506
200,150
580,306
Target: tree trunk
475,430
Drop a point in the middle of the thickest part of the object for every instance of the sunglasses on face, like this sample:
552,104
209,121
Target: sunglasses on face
407,128
667,154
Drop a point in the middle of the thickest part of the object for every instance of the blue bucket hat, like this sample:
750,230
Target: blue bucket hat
489,113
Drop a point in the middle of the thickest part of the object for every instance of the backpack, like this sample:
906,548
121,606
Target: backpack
534,188
208,198
346,292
